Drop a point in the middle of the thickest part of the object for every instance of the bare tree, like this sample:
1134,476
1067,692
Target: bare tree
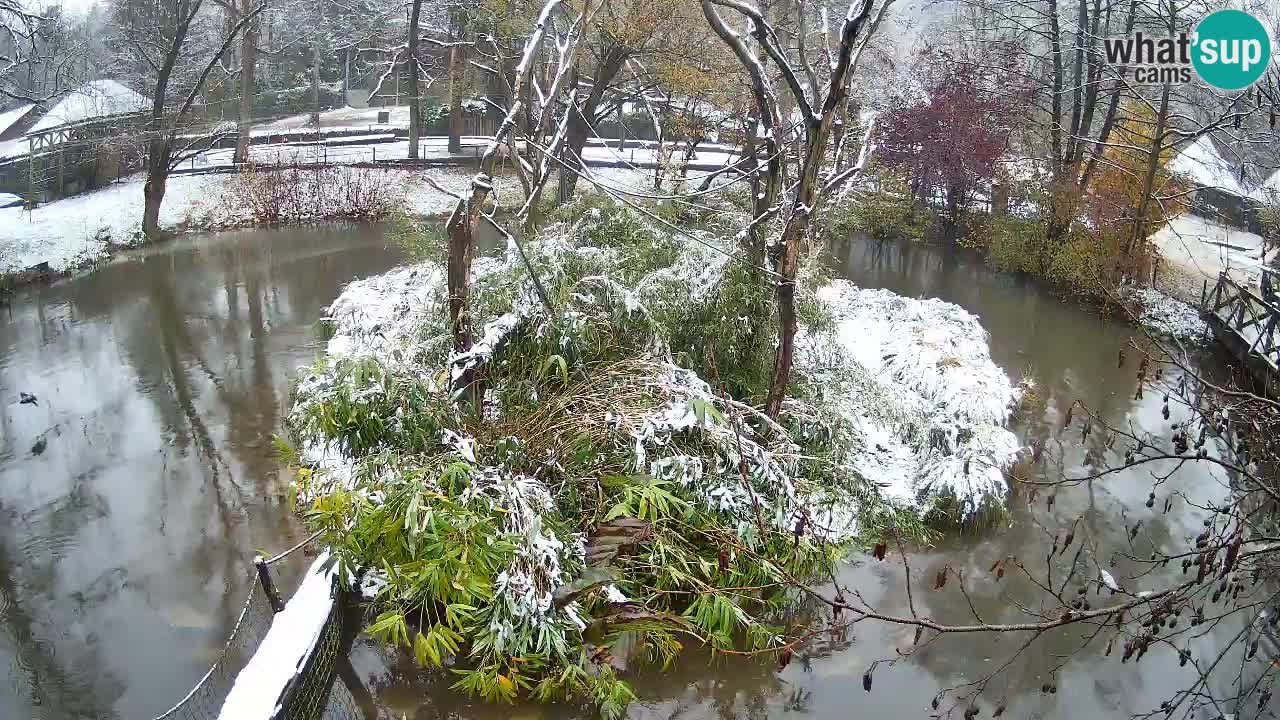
161,38
24,44
415,100
248,62
818,110
469,211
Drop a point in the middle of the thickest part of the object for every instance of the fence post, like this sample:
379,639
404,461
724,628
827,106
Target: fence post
31,173
268,585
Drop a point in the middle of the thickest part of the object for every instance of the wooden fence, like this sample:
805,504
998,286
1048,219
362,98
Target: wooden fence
1247,323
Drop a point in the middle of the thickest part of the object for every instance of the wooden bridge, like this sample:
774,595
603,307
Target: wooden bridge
1248,324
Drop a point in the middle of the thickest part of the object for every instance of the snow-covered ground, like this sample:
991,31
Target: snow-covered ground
345,117
1197,249
85,228
1166,315
82,229
377,149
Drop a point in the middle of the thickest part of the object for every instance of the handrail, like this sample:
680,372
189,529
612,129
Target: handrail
1223,278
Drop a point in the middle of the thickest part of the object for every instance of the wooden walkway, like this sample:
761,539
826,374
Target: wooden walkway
1248,324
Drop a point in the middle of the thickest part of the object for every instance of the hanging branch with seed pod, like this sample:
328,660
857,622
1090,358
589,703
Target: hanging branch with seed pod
1139,609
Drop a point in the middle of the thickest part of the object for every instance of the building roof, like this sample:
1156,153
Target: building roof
98,99
9,117
1204,165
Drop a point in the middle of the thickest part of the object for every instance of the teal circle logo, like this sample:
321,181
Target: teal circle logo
1231,49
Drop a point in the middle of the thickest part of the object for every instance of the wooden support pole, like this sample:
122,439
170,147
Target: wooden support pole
31,173
268,585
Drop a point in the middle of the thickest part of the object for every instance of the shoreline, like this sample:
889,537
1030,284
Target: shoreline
191,210
81,233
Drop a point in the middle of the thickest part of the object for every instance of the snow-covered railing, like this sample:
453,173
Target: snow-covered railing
292,649
288,667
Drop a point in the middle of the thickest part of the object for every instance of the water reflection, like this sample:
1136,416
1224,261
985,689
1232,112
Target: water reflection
1073,355
160,380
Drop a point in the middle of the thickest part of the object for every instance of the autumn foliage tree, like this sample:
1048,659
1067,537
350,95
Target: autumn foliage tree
948,142
1118,191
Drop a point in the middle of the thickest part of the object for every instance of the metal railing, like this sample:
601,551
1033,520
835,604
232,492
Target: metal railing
312,694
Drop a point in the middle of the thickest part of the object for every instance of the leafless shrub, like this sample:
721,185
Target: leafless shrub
301,194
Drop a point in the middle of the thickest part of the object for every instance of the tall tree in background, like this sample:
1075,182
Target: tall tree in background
458,47
1076,93
248,61
949,141
624,31
564,41
1123,189
175,54
40,50
818,109
415,98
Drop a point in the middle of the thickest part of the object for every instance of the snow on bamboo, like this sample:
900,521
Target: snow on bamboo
911,381
917,379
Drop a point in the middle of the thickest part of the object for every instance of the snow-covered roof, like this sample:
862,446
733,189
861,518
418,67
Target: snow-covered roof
1202,163
1269,191
98,99
9,117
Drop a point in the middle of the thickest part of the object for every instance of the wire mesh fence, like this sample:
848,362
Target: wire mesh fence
306,697
312,694
204,700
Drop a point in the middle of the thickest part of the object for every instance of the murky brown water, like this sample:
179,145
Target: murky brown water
162,377
133,496
1073,353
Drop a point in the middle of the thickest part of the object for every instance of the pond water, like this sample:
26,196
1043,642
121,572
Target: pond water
133,495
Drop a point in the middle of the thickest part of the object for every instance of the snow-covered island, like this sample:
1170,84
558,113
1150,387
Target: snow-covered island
607,473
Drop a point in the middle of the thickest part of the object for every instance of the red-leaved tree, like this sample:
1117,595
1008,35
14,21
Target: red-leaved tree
948,142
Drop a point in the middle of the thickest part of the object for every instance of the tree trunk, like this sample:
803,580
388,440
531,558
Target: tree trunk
459,275
793,234
415,120
622,129
1061,210
1139,234
457,68
153,189
753,238
1055,101
575,141
315,82
248,63
581,123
